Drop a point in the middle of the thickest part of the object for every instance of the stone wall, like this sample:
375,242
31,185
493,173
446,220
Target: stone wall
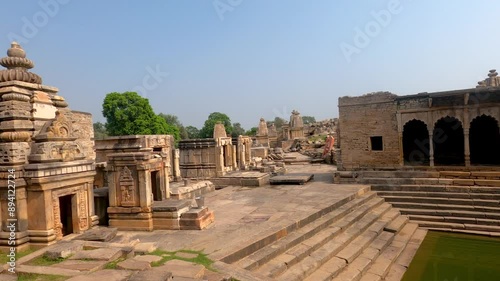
361,118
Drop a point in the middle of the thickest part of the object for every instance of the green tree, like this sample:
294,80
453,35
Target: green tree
308,119
130,114
208,128
100,131
278,122
237,130
192,132
174,121
252,132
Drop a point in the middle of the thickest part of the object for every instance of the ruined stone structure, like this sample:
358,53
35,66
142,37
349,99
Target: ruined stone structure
138,170
262,136
48,160
208,158
243,145
383,130
296,125
435,156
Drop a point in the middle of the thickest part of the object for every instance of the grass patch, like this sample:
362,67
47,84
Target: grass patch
113,264
5,259
317,138
43,260
40,277
200,259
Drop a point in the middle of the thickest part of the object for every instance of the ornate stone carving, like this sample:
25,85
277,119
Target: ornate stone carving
57,217
59,128
15,97
13,153
127,187
15,136
17,66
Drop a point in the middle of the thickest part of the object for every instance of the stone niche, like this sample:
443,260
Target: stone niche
138,170
47,154
208,158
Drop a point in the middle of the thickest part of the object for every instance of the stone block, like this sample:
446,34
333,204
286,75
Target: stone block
153,274
166,224
106,274
63,250
147,258
198,223
103,234
183,269
106,254
133,264
81,265
144,248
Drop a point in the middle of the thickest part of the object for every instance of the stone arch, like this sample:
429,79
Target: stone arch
448,141
416,143
484,141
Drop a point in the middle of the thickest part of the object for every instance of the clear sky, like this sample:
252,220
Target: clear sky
252,58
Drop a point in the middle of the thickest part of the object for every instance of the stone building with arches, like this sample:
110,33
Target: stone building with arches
457,128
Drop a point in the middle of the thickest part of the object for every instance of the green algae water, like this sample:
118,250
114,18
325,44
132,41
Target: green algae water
447,256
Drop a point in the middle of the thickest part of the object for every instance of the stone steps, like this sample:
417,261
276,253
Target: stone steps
335,266
452,213
265,254
454,195
346,246
430,181
439,200
430,206
351,224
435,188
453,219
464,227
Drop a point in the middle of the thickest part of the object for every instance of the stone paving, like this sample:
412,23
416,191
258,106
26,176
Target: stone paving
243,214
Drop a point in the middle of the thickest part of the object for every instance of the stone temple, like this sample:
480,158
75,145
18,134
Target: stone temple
47,154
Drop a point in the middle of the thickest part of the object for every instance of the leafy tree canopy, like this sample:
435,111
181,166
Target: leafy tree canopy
252,132
173,120
237,130
308,119
100,131
192,132
208,128
130,114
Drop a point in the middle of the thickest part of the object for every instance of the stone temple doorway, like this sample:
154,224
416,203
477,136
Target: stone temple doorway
484,141
66,214
416,143
155,186
448,138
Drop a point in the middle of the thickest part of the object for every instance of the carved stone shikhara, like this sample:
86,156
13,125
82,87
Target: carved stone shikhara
50,148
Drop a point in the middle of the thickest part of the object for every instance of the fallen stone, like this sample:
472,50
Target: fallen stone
106,254
106,274
145,248
103,234
81,265
147,258
133,264
215,276
153,274
63,250
183,269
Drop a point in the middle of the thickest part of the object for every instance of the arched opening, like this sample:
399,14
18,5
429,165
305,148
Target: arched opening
416,143
448,139
484,141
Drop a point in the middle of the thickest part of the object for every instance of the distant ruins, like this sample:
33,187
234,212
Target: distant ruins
47,172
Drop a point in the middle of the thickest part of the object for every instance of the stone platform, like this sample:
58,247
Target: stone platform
190,189
179,214
243,178
291,179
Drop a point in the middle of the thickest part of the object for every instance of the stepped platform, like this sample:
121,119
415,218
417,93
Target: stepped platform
448,200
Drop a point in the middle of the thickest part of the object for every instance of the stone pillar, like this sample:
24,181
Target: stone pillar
233,155
177,170
466,147
166,177
401,153
431,148
242,158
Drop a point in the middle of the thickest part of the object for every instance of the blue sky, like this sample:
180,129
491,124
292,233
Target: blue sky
257,58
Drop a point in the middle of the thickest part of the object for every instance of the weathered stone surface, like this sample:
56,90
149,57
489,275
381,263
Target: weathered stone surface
106,254
291,179
103,234
146,247
133,264
106,274
63,250
183,269
153,274
81,265
147,258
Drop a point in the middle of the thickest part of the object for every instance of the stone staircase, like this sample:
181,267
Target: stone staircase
363,239
457,201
